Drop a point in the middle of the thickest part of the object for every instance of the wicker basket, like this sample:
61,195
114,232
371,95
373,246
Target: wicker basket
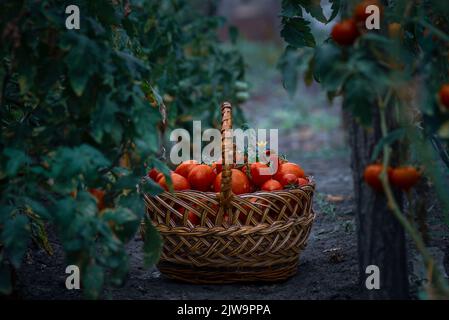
240,238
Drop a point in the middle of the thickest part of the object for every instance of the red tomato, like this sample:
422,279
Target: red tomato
289,179
303,182
289,167
372,176
271,185
444,95
153,173
201,177
217,166
405,177
240,182
179,182
345,33
99,197
184,168
258,174
193,218
159,176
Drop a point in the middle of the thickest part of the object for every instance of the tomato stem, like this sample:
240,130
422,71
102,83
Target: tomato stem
435,276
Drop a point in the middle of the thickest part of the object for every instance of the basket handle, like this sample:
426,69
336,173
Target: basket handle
227,148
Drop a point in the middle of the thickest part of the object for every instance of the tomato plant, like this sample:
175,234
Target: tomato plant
392,81
84,109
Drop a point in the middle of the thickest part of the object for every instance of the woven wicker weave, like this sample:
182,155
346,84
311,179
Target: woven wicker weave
249,237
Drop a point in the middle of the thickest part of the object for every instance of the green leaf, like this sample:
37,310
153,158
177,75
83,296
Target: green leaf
15,238
93,279
292,63
389,139
134,202
5,278
125,222
104,121
151,187
313,7
297,33
37,207
83,52
358,99
152,247
126,182
233,34
84,159
335,8
291,8
16,159
329,68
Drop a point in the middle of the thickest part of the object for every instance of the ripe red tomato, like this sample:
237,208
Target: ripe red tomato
372,176
273,160
289,179
240,182
444,95
193,218
217,166
405,177
179,182
303,182
345,32
159,176
271,185
184,168
360,14
153,174
201,177
99,197
289,167
258,176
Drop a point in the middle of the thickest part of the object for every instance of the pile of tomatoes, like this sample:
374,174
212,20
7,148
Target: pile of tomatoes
247,178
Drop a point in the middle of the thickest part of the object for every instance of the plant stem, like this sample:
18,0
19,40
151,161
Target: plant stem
436,277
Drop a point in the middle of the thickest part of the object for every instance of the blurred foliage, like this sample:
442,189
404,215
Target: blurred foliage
80,111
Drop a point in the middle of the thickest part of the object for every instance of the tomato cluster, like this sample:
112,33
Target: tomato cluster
403,178
247,178
250,177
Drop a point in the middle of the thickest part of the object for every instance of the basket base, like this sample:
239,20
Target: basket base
208,275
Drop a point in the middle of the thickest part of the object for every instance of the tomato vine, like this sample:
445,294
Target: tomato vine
407,61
